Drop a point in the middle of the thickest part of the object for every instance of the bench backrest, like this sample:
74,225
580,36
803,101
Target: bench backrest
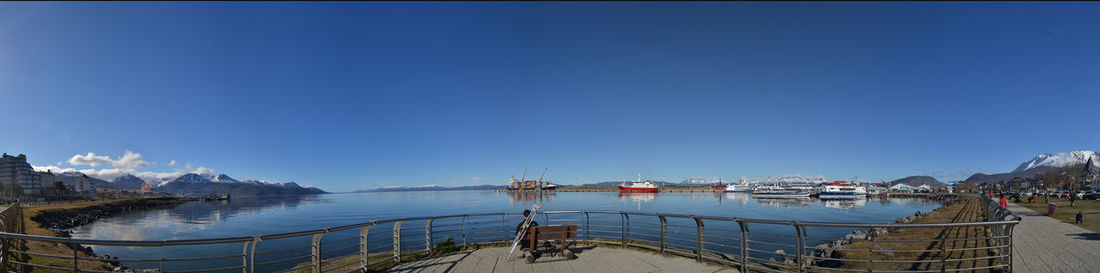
553,232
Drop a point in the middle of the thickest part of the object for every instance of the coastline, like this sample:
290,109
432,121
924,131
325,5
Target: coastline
52,220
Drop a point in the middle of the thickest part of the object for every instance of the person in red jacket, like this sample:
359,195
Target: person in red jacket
1004,202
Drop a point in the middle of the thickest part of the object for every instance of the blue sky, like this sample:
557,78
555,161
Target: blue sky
347,96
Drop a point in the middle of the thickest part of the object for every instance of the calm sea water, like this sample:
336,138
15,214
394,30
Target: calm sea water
268,215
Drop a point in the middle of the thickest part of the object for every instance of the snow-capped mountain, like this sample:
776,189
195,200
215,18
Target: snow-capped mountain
192,178
202,183
793,178
222,178
699,181
127,182
1059,160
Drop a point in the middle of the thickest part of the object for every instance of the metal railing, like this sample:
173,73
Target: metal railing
995,212
749,244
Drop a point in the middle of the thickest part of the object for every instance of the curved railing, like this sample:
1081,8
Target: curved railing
752,244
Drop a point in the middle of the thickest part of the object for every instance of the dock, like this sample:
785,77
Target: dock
589,259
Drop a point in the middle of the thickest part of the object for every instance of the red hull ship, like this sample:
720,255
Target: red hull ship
639,186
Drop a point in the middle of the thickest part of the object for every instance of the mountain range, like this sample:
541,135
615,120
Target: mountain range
917,180
1040,164
205,184
193,183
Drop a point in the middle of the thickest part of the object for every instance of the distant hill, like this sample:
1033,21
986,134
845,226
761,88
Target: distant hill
435,188
916,180
127,182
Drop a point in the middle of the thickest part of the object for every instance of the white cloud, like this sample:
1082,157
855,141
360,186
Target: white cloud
203,170
90,159
130,161
476,178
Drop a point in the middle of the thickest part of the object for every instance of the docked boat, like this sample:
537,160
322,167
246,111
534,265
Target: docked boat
843,192
776,191
743,187
639,186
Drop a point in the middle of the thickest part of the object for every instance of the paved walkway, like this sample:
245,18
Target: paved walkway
589,259
1044,244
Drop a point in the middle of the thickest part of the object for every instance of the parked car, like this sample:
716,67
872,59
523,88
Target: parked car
1092,196
1082,194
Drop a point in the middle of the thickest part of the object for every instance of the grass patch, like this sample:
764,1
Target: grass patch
1090,209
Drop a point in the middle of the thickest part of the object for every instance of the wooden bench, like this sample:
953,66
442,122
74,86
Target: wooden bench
560,232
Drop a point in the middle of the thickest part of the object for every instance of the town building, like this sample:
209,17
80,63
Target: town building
18,178
48,184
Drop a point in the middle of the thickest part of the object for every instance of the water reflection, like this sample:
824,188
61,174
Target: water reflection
186,219
736,197
525,198
786,202
846,204
202,212
638,198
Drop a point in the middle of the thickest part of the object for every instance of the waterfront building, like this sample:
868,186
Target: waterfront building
18,178
1089,176
48,184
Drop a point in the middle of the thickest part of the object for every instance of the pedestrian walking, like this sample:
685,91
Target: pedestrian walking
1080,219
1004,202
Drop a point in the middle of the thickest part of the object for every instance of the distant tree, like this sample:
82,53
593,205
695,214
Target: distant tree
1068,177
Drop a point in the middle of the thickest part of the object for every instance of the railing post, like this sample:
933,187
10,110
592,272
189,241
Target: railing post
664,226
244,257
587,226
626,226
800,231
315,252
397,241
463,231
364,247
252,254
943,250
1008,230
744,245
428,235
76,266
698,239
